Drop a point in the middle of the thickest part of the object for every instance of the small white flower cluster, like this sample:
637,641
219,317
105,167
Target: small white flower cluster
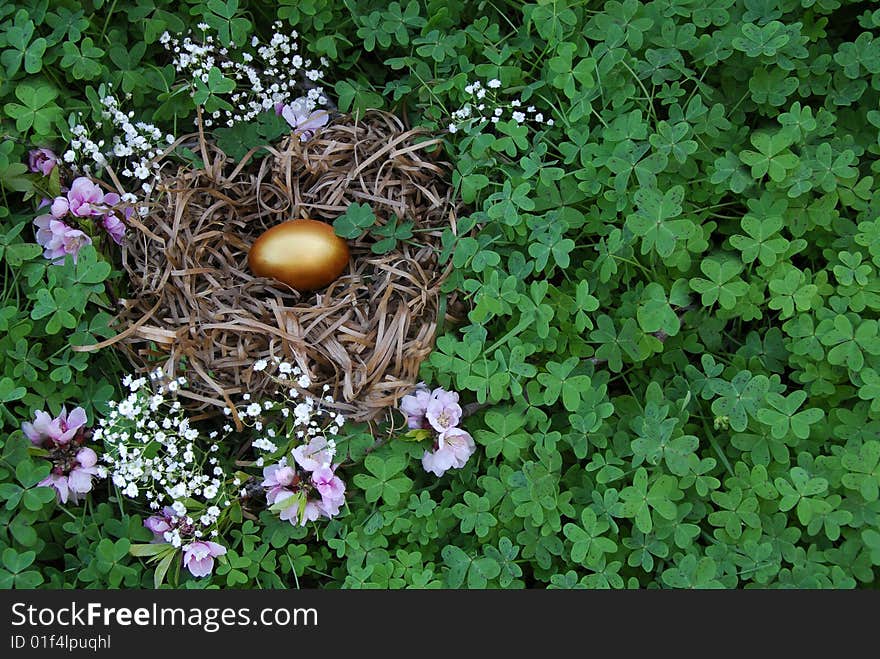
283,73
487,104
136,146
153,449
83,153
301,417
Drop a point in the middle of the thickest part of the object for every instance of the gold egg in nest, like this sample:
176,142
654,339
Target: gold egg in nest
304,254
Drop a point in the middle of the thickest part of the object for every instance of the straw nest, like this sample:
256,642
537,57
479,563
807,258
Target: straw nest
194,308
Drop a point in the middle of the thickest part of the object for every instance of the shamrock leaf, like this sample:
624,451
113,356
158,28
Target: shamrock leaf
849,344
640,499
772,157
505,557
783,417
761,242
655,440
740,398
790,293
83,61
505,434
36,110
474,514
208,93
653,220
15,573
723,285
9,392
615,344
384,480
221,16
761,40
20,47
392,232
558,380
655,314
693,573
461,565
864,470
670,140
588,539
800,492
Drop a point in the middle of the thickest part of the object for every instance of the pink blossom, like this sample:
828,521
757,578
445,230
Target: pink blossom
115,227
303,122
415,405
70,424
443,411
331,488
59,482
42,161
60,207
44,427
59,239
160,524
297,512
277,478
198,557
454,447
85,198
78,481
314,455
73,466
80,478
112,223
60,430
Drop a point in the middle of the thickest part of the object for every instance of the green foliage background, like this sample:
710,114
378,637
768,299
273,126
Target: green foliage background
673,294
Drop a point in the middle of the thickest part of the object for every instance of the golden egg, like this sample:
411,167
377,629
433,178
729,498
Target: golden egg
304,254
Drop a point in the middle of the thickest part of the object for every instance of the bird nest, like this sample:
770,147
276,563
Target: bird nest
194,308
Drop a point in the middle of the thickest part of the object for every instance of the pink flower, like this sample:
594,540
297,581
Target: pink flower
313,455
415,405
70,424
277,479
59,482
198,557
73,466
78,481
44,427
80,478
60,207
58,239
42,161
115,227
298,512
160,524
443,411
303,122
85,199
454,447
332,490
60,430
